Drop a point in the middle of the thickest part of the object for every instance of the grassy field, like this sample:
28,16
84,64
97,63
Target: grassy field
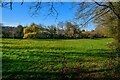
58,59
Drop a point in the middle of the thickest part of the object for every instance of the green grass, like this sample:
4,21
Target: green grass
44,59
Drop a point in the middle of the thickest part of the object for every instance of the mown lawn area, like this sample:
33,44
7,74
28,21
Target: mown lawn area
59,59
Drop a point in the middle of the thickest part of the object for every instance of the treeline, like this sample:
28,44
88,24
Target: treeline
63,30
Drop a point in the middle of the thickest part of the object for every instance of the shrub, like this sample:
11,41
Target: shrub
114,46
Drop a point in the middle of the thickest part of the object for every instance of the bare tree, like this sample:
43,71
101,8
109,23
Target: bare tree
88,11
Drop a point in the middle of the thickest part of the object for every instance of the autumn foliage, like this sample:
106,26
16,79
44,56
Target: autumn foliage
31,31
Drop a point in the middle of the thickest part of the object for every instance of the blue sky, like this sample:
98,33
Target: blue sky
21,15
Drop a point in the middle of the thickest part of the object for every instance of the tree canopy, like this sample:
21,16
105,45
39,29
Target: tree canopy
31,31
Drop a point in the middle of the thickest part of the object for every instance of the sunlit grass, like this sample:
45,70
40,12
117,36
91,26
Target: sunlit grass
44,56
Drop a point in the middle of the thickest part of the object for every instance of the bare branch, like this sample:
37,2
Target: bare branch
85,10
52,10
22,2
35,8
11,4
110,6
96,16
113,9
4,4
101,4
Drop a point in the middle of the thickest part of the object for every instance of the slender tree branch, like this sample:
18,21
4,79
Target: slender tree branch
4,4
110,7
96,16
101,4
11,4
22,2
113,9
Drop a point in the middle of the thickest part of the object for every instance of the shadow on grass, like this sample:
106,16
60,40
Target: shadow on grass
57,48
14,69
75,75
10,73
81,74
27,75
55,39
30,47
91,53
6,43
